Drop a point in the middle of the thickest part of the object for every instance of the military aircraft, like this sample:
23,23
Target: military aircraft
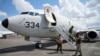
47,25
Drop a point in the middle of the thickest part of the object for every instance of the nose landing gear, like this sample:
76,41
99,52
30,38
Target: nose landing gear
39,45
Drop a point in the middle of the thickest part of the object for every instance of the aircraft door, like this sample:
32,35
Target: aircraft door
48,14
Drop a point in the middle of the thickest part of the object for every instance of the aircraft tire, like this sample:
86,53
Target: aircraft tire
4,36
38,45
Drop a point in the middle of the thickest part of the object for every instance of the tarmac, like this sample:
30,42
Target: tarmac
17,46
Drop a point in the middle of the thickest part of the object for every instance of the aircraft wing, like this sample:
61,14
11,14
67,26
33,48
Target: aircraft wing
97,28
91,33
5,33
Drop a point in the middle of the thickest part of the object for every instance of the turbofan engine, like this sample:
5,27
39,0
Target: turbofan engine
92,34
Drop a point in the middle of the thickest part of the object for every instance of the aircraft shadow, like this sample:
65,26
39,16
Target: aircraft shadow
54,50
29,47
62,49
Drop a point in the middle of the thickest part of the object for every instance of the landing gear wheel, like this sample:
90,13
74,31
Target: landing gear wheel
38,45
4,36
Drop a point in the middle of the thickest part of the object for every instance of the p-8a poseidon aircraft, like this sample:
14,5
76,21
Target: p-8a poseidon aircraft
47,25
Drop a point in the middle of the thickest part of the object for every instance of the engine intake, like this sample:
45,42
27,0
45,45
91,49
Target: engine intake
92,34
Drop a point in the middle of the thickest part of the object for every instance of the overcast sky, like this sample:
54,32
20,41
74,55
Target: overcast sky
86,12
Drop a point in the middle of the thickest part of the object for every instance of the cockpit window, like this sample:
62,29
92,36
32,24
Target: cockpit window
36,14
24,12
31,13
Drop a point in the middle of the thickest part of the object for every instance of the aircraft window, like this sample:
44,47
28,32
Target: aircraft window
36,14
31,13
24,12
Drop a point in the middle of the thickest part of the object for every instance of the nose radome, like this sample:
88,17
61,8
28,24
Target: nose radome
5,23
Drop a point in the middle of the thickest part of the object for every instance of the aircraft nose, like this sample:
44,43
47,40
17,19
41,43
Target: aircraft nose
5,23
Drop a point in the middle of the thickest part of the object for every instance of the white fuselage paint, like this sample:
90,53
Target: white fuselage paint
18,24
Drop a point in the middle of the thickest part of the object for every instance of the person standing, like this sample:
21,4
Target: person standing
59,42
70,33
78,45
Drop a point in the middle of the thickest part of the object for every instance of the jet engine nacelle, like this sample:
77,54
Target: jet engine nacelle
92,35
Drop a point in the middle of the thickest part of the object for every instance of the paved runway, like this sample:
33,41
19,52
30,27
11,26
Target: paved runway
17,46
